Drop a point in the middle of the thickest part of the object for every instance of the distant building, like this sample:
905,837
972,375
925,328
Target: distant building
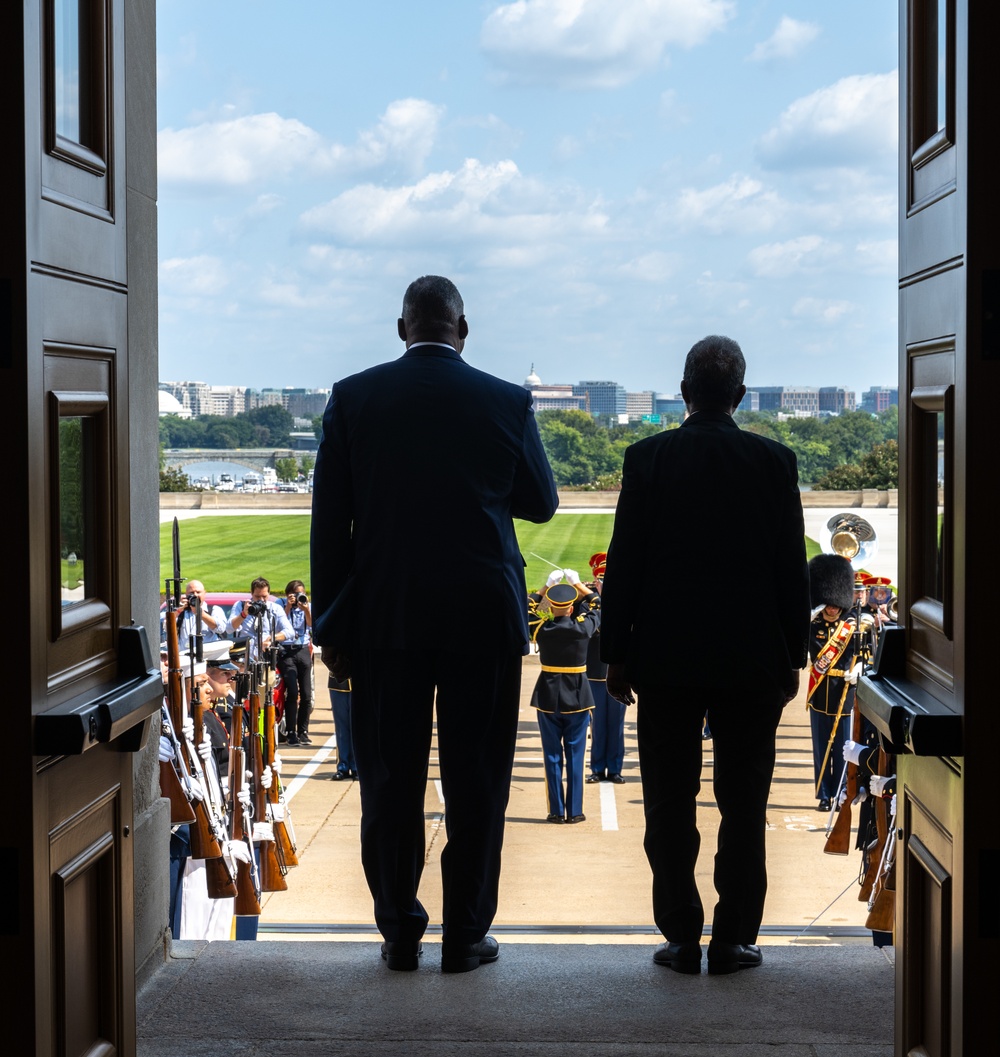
788,398
835,400
552,397
305,403
170,405
638,405
603,398
750,401
668,405
879,398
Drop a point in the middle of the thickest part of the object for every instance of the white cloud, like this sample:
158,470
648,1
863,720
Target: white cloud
879,256
201,276
257,148
654,267
851,122
819,310
777,260
739,204
788,40
494,203
595,43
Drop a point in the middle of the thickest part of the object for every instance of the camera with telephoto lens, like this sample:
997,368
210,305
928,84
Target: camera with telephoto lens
256,608
301,599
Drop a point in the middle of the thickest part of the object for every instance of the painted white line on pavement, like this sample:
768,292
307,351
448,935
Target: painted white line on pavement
439,788
309,769
609,811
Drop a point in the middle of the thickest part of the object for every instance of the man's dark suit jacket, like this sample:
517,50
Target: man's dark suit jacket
707,583
422,465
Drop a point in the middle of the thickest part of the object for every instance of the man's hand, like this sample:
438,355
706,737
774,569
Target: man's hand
554,577
572,576
337,662
792,685
618,686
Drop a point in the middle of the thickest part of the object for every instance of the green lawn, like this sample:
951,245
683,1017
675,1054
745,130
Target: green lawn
226,553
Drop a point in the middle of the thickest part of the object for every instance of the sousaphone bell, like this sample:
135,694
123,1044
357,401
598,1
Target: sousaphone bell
852,538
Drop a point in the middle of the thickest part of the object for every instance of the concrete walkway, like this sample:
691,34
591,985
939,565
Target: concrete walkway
292,999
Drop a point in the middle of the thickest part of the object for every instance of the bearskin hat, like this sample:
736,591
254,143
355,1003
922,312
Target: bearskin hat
831,581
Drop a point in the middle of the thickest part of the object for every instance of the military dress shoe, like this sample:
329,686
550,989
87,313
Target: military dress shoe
681,957
823,805
577,818
555,818
402,954
464,957
595,777
730,957
616,778
339,776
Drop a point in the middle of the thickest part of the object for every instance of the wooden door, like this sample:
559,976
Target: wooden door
934,694
77,349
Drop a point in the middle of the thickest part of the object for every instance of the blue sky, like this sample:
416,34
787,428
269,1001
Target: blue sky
606,181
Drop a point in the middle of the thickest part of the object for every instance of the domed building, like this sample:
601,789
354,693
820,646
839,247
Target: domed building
170,405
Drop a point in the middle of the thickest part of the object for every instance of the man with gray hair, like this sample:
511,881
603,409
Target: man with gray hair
725,503
425,458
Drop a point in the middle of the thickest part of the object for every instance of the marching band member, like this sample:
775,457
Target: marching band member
607,725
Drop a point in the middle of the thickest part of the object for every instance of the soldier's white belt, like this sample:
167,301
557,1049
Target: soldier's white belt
579,669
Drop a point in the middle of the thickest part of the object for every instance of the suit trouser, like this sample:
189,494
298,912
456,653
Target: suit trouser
744,723
340,705
392,706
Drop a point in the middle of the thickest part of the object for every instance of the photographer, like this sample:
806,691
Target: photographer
261,614
213,618
295,665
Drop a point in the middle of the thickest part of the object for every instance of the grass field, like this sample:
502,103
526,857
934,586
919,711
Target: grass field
226,553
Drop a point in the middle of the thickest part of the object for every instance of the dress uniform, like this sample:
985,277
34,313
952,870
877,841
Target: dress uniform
562,696
607,725
833,650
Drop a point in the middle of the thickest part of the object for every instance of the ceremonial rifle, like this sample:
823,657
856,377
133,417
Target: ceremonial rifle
204,844
277,809
220,873
882,903
175,782
272,869
241,817
876,849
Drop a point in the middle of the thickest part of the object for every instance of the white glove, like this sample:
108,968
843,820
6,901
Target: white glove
852,751
572,575
554,577
205,749
224,784
878,783
243,797
861,797
276,764
196,790
852,677
842,798
892,806
166,749
238,850
187,729
266,778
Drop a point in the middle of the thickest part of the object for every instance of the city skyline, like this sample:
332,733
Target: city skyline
606,180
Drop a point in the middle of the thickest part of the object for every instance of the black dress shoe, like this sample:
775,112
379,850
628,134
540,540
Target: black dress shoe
339,776
577,818
823,805
616,778
681,957
730,957
464,957
402,954
554,818
595,777
354,776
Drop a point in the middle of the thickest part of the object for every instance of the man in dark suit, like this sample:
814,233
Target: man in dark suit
724,503
423,459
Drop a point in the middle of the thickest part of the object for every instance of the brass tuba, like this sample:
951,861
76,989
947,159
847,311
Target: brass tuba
850,536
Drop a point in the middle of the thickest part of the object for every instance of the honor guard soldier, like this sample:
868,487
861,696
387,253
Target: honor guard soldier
562,696
607,724
833,650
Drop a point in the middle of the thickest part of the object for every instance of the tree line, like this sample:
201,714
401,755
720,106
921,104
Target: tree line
263,427
850,451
